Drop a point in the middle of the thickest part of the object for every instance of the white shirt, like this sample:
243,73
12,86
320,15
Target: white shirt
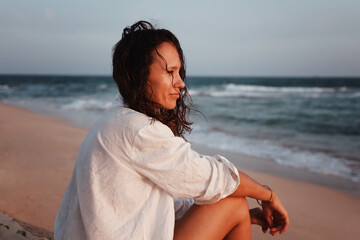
127,174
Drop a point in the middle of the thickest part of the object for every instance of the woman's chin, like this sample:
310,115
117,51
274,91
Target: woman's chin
169,106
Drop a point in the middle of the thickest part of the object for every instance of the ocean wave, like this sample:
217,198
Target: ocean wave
5,87
355,95
101,87
5,91
312,161
87,104
236,90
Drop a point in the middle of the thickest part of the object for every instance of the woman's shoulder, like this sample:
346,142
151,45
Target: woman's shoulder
125,118
128,122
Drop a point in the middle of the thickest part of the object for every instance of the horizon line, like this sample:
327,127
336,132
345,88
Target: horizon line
189,76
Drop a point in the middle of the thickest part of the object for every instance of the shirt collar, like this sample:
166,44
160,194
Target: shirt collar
118,101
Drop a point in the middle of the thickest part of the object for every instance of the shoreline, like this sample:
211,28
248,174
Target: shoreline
38,152
267,166
241,160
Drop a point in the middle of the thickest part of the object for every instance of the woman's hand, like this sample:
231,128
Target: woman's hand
257,217
276,215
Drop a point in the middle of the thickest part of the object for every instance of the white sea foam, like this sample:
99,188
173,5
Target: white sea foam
4,87
87,104
101,86
235,90
355,95
313,161
5,90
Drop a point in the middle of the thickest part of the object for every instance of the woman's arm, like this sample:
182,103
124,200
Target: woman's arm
274,211
248,187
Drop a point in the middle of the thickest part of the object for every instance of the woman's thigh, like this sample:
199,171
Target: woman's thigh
213,221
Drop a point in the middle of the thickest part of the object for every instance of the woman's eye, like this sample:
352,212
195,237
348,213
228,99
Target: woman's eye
170,72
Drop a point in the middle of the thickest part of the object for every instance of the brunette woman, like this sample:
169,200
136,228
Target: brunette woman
136,177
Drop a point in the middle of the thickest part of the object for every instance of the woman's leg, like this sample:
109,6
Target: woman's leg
227,219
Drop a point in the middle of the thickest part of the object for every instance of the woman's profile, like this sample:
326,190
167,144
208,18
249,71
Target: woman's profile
136,177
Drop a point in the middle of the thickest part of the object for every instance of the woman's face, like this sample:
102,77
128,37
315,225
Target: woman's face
165,84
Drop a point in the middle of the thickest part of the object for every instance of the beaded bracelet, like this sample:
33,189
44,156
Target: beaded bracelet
271,196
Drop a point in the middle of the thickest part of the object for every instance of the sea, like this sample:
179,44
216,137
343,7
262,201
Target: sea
311,123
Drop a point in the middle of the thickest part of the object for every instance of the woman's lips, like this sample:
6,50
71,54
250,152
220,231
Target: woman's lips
177,95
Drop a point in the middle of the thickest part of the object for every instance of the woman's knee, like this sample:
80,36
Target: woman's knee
216,219
240,208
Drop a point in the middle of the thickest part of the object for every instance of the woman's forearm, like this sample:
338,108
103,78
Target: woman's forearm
248,187
274,213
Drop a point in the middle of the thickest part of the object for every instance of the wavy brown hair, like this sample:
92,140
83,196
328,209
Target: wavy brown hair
132,56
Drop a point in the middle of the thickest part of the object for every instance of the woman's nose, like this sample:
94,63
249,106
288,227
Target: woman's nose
178,82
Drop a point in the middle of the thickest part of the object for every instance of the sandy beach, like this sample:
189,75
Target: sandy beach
38,152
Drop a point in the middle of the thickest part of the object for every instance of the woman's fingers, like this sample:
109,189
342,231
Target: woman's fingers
269,219
281,220
273,231
275,215
279,215
284,226
262,223
257,217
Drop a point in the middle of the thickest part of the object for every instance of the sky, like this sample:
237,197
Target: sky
219,38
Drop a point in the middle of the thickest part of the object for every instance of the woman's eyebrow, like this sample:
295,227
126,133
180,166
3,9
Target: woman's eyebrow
173,67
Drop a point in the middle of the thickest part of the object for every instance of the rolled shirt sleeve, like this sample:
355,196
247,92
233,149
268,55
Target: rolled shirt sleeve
170,163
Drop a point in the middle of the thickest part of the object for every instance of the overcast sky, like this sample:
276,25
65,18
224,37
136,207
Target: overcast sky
219,38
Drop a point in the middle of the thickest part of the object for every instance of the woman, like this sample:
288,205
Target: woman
137,178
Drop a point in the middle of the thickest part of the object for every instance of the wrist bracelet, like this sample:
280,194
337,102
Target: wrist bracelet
271,196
